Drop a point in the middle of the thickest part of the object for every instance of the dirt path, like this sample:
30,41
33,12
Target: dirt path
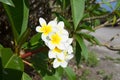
109,61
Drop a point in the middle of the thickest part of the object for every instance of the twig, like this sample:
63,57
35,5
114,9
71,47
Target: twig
114,48
102,25
111,47
28,54
96,17
28,63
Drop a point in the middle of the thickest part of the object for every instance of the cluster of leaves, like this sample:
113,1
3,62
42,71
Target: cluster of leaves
11,63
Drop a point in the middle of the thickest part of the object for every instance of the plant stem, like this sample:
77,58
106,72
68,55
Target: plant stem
28,63
28,54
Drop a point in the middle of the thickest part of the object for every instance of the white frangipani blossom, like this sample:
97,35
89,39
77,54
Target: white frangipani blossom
56,53
62,62
57,62
45,28
57,39
60,27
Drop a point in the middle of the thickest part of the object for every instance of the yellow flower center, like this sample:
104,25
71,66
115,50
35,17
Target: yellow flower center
46,29
55,39
57,50
60,60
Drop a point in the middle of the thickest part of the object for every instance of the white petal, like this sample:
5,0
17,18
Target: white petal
56,63
51,54
61,46
61,24
64,64
53,23
38,29
70,40
70,49
42,21
46,43
64,38
65,32
61,56
68,57
44,37
51,46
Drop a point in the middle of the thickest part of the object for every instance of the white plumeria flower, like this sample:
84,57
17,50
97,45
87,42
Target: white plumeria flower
68,56
60,27
56,53
68,46
45,28
57,62
62,62
57,40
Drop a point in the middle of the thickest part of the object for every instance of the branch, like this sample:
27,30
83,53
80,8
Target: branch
28,63
104,24
114,48
107,45
28,54
96,17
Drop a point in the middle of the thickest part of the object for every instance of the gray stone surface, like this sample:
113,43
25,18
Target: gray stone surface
109,66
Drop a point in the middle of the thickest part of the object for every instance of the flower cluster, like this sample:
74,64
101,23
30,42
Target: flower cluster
57,39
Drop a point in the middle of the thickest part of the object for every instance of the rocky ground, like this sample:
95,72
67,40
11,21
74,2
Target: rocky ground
108,67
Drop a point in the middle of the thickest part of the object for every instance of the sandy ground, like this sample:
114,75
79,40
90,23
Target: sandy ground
107,64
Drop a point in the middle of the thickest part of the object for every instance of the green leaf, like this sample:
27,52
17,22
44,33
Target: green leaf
40,63
1,46
117,5
25,76
11,74
23,37
50,78
65,4
83,46
25,16
10,60
118,13
53,77
1,67
85,26
70,73
35,42
78,53
18,16
57,76
35,39
61,18
8,2
77,11
12,65
96,22
60,71
90,38
114,20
